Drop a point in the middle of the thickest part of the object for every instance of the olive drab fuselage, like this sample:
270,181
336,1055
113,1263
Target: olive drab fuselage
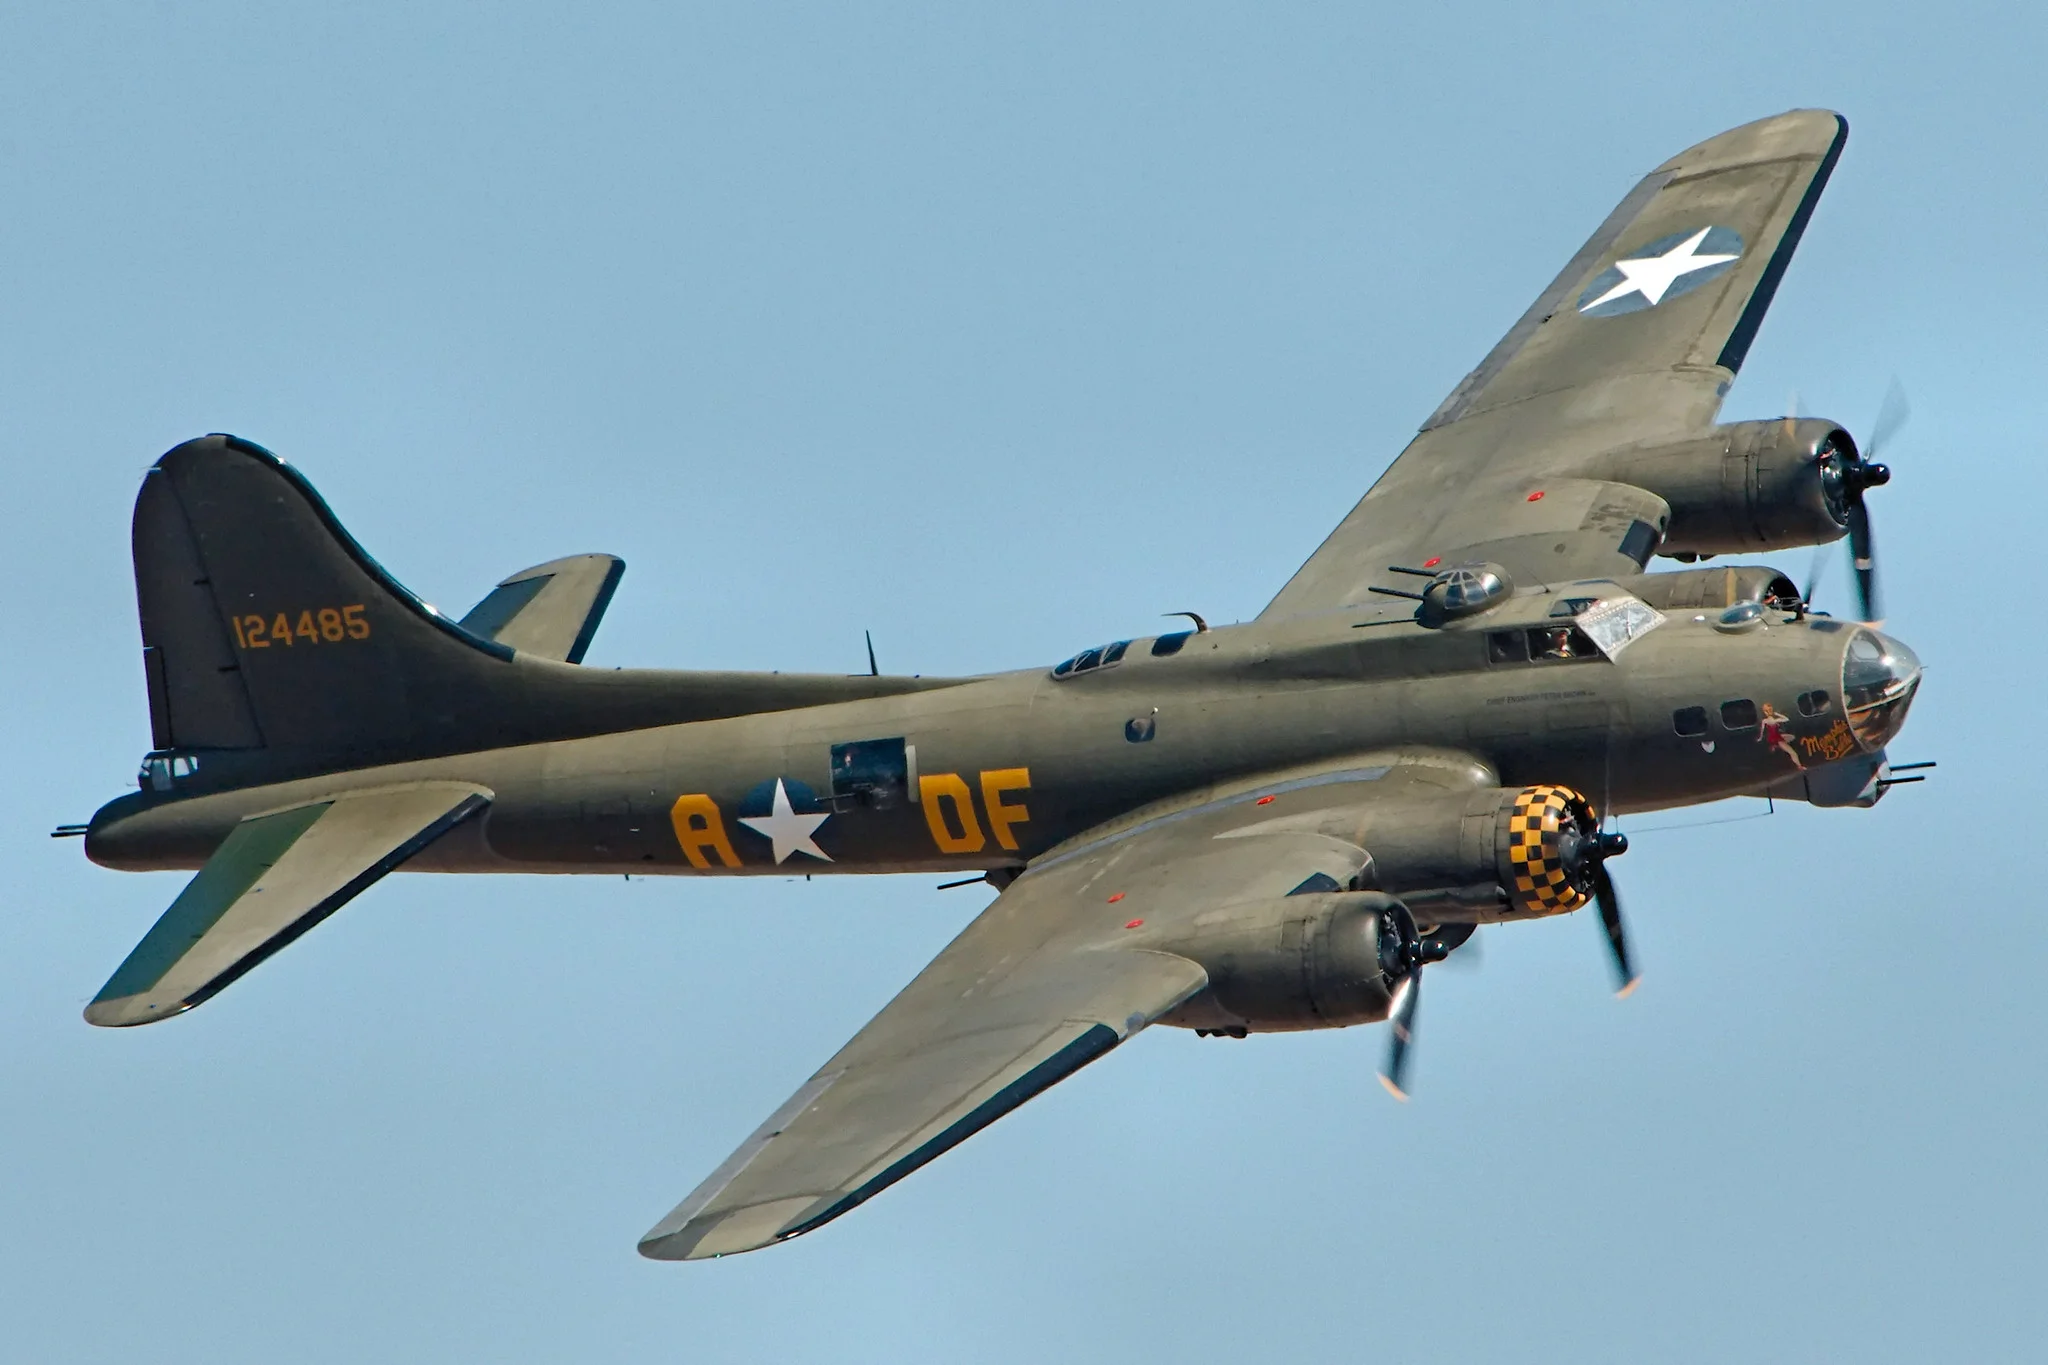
987,773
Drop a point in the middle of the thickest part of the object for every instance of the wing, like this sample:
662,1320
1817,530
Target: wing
1030,993
1636,339
1041,984
551,610
273,878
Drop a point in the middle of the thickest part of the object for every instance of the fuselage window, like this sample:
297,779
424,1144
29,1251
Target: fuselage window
1690,720
1508,647
1739,715
1100,657
159,770
1814,703
1170,644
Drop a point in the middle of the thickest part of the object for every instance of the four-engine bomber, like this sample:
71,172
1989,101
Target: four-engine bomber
1263,827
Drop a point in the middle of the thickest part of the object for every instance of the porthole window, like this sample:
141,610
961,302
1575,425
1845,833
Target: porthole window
1814,703
1739,715
1690,721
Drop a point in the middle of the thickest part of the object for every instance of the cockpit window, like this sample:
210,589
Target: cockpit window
1542,644
1561,642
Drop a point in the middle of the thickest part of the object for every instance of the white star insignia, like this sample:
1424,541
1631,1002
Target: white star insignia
787,830
1653,276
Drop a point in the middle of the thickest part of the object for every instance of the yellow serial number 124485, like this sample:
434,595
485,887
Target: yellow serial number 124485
330,625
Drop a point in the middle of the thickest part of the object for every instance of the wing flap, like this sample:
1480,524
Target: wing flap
273,878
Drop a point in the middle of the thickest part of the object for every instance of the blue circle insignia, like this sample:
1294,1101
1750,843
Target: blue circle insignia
1663,269
760,800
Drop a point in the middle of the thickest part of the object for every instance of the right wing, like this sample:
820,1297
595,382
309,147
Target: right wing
1636,339
273,878
1047,979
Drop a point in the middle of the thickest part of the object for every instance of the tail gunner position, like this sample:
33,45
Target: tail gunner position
1257,828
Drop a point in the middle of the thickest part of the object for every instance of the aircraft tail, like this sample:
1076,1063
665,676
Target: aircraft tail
275,647
265,626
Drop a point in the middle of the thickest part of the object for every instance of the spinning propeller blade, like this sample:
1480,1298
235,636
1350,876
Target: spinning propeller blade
1866,473
1394,1074
1609,901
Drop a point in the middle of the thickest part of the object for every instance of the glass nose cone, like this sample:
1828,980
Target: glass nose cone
1879,676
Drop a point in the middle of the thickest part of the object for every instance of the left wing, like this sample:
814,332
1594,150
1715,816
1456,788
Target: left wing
1047,979
1637,339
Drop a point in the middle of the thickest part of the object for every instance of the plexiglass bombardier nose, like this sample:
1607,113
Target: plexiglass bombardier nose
1879,676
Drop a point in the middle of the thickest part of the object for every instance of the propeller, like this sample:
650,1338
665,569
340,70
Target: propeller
1845,478
1604,895
1403,954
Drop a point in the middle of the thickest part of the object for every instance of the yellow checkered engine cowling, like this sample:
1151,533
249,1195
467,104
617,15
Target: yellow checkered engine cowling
1539,822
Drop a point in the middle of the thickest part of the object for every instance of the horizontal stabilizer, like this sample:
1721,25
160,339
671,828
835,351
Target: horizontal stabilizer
272,879
551,610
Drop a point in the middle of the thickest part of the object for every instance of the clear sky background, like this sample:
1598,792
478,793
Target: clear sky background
999,334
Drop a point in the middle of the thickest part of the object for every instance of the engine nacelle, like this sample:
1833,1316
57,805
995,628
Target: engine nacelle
1328,958
1746,486
1301,962
1484,856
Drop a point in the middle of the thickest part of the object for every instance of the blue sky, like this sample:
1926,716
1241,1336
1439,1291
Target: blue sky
997,334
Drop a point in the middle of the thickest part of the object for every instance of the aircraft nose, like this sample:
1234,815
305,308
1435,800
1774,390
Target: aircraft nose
1879,678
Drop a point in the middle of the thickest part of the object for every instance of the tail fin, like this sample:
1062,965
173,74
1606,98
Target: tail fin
264,625
275,645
